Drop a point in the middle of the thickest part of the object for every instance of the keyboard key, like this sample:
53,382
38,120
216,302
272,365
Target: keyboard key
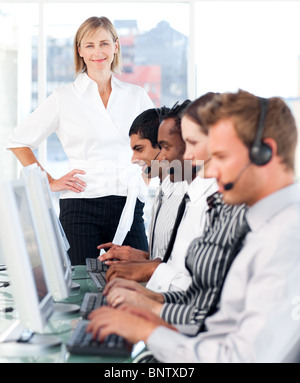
99,279
82,343
91,302
94,265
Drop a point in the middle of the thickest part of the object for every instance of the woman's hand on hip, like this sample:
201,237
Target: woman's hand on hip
68,182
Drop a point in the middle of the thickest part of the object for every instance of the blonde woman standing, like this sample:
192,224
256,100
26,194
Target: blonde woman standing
92,118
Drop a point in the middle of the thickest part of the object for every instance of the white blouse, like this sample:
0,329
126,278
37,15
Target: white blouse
94,138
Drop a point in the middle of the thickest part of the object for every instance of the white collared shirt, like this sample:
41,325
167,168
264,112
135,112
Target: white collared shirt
258,319
94,138
173,274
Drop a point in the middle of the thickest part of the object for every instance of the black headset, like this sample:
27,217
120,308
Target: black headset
260,152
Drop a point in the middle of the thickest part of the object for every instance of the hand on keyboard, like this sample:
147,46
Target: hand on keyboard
82,342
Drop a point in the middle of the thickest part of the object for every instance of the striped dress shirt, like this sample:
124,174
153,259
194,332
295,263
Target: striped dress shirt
173,275
164,214
258,319
208,260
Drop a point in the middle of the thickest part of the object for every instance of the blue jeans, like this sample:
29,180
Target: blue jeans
90,222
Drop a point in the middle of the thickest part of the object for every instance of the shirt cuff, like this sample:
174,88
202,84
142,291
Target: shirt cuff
169,346
161,278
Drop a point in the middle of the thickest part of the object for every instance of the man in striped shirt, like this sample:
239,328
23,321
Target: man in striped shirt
165,205
253,145
207,262
172,273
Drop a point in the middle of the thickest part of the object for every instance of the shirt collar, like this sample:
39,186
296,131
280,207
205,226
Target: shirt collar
168,188
214,200
265,209
200,187
83,81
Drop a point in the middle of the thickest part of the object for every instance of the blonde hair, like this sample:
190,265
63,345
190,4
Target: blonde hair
91,25
243,109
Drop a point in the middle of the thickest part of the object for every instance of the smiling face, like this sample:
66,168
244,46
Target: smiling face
172,148
143,152
97,49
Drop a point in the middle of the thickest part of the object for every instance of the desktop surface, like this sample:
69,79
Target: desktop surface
60,326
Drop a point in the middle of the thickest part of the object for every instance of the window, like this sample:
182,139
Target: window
174,49
16,35
154,45
154,51
251,45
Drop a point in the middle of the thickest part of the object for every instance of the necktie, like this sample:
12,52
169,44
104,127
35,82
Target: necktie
156,208
214,200
180,213
240,236
237,244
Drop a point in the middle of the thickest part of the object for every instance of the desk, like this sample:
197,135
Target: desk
61,327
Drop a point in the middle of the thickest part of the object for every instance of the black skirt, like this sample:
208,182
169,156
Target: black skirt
89,222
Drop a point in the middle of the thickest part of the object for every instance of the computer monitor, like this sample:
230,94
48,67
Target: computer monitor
25,265
56,222
51,246
60,234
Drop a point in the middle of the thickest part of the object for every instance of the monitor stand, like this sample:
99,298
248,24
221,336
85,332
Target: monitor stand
61,309
27,343
75,286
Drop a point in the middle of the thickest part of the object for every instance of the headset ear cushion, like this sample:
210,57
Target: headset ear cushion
261,154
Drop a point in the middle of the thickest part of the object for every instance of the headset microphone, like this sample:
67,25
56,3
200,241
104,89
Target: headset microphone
197,168
148,169
171,170
260,152
230,185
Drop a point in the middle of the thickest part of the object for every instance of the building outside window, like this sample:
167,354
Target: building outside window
174,49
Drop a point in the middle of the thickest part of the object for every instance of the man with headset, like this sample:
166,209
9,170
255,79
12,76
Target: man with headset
124,260
253,143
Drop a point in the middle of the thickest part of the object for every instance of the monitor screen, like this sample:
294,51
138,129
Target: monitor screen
31,242
56,226
23,259
52,249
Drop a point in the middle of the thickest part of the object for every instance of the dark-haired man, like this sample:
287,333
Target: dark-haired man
173,273
146,152
253,162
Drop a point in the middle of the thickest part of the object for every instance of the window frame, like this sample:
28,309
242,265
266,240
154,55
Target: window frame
42,68
42,59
